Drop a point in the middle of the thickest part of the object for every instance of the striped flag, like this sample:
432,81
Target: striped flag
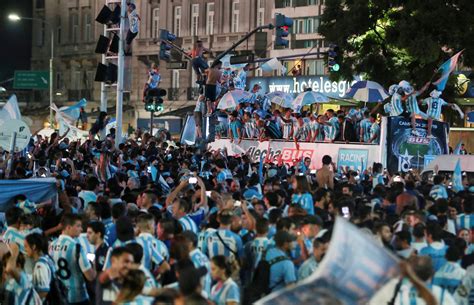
164,185
457,150
446,68
10,111
457,177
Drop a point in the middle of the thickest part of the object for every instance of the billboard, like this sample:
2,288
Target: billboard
405,151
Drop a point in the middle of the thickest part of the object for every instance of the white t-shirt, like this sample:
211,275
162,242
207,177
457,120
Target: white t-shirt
133,20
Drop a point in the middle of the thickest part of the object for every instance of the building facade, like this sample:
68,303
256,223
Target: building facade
218,23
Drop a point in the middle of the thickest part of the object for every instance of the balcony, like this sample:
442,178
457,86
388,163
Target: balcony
75,95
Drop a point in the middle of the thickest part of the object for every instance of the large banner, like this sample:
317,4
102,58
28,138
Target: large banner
405,151
35,189
354,268
356,156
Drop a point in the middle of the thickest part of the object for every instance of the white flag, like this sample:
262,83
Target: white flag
10,111
272,64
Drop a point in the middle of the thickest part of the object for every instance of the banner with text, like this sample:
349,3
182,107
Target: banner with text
353,269
405,151
288,153
354,159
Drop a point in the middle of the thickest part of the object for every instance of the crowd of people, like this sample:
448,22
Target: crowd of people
157,222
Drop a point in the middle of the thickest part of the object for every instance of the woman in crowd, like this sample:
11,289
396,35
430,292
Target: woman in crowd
225,291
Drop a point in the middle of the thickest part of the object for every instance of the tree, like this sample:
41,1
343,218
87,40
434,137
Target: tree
389,40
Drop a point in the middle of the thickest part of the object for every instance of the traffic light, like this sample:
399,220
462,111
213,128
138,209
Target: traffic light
333,58
282,24
153,100
165,48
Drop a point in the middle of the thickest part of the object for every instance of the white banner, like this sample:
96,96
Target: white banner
288,153
353,269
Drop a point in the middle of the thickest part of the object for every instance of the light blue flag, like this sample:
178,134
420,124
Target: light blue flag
457,150
353,270
446,68
457,177
164,185
72,113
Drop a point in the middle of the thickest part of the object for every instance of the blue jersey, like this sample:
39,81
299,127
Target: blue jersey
202,238
71,262
464,221
281,273
235,128
375,130
224,175
154,80
215,245
396,107
188,224
200,260
435,106
12,235
222,293
305,201
437,252
365,126
331,130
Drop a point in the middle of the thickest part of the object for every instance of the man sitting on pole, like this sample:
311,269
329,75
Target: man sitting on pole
198,61
153,81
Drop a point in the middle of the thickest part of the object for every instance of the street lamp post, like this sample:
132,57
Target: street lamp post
15,17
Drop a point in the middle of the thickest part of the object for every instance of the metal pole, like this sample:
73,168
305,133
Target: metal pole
103,89
151,122
51,119
121,61
12,152
290,56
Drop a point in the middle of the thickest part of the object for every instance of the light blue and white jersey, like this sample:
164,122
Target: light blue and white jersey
331,130
27,206
85,244
437,252
155,79
435,105
396,107
365,126
151,257
222,293
224,175
464,221
200,260
305,201
71,262
307,268
240,80
439,191
449,276
378,179
157,244
202,238
42,274
375,130
301,132
214,246
13,235
257,247
150,282
408,295
117,244
188,224
20,289
412,104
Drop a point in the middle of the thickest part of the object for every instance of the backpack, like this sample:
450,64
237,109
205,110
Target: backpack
259,286
58,292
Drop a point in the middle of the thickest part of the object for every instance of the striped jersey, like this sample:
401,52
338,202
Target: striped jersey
449,276
200,260
223,293
85,244
435,105
437,252
20,289
438,191
396,105
188,224
42,274
365,126
157,244
139,300
464,221
272,130
315,129
223,175
13,235
117,244
151,256
412,104
331,130
215,245
301,132
71,261
202,238
375,130
287,126
256,248
408,295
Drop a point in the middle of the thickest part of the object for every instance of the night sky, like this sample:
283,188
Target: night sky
15,45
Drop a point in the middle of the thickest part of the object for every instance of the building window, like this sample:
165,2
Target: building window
210,19
177,20
260,12
175,79
155,23
235,16
90,79
87,27
73,27
40,33
58,30
39,4
194,19
76,80
309,26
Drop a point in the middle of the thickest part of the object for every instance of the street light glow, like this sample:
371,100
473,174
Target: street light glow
14,17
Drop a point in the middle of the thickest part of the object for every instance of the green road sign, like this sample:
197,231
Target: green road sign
31,80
